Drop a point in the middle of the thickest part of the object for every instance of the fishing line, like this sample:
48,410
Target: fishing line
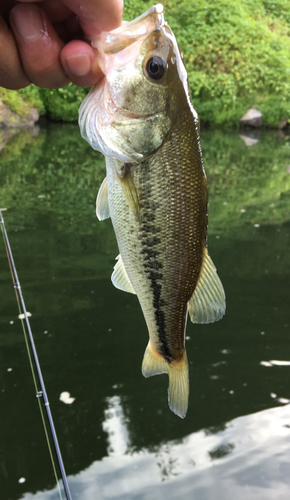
31,347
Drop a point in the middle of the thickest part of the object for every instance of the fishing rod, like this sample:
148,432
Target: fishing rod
42,393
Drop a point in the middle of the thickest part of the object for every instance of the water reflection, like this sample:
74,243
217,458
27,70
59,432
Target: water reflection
57,171
250,137
118,438
116,426
247,460
275,362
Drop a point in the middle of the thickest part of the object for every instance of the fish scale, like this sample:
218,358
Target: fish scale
168,243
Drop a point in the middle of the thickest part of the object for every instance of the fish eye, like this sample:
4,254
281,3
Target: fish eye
155,68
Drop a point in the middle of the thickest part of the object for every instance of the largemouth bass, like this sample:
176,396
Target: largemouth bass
141,118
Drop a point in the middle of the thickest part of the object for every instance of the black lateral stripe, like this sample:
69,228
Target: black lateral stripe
150,239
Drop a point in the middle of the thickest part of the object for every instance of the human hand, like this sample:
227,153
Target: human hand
46,42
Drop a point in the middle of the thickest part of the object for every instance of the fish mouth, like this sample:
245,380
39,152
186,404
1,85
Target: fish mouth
114,41
124,43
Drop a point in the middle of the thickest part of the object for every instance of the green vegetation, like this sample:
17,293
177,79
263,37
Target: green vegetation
237,53
21,101
63,104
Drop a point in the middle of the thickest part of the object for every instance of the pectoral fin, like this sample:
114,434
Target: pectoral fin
129,190
208,303
102,209
120,278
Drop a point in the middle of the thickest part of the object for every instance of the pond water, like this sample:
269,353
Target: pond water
119,440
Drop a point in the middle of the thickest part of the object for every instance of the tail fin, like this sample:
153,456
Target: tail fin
178,391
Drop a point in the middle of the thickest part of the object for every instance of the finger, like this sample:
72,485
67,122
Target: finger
56,10
12,75
97,16
39,46
80,63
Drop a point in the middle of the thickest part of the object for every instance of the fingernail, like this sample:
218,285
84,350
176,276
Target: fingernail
27,21
79,64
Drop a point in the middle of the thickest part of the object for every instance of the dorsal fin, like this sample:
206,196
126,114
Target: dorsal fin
208,302
120,278
102,209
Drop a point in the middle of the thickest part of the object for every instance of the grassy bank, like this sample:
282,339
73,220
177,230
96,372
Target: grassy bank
237,54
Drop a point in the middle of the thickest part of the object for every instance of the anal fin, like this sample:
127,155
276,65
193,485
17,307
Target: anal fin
120,278
208,302
153,363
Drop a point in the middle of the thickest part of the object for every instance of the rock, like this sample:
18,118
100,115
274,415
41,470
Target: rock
283,124
253,118
10,119
32,117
